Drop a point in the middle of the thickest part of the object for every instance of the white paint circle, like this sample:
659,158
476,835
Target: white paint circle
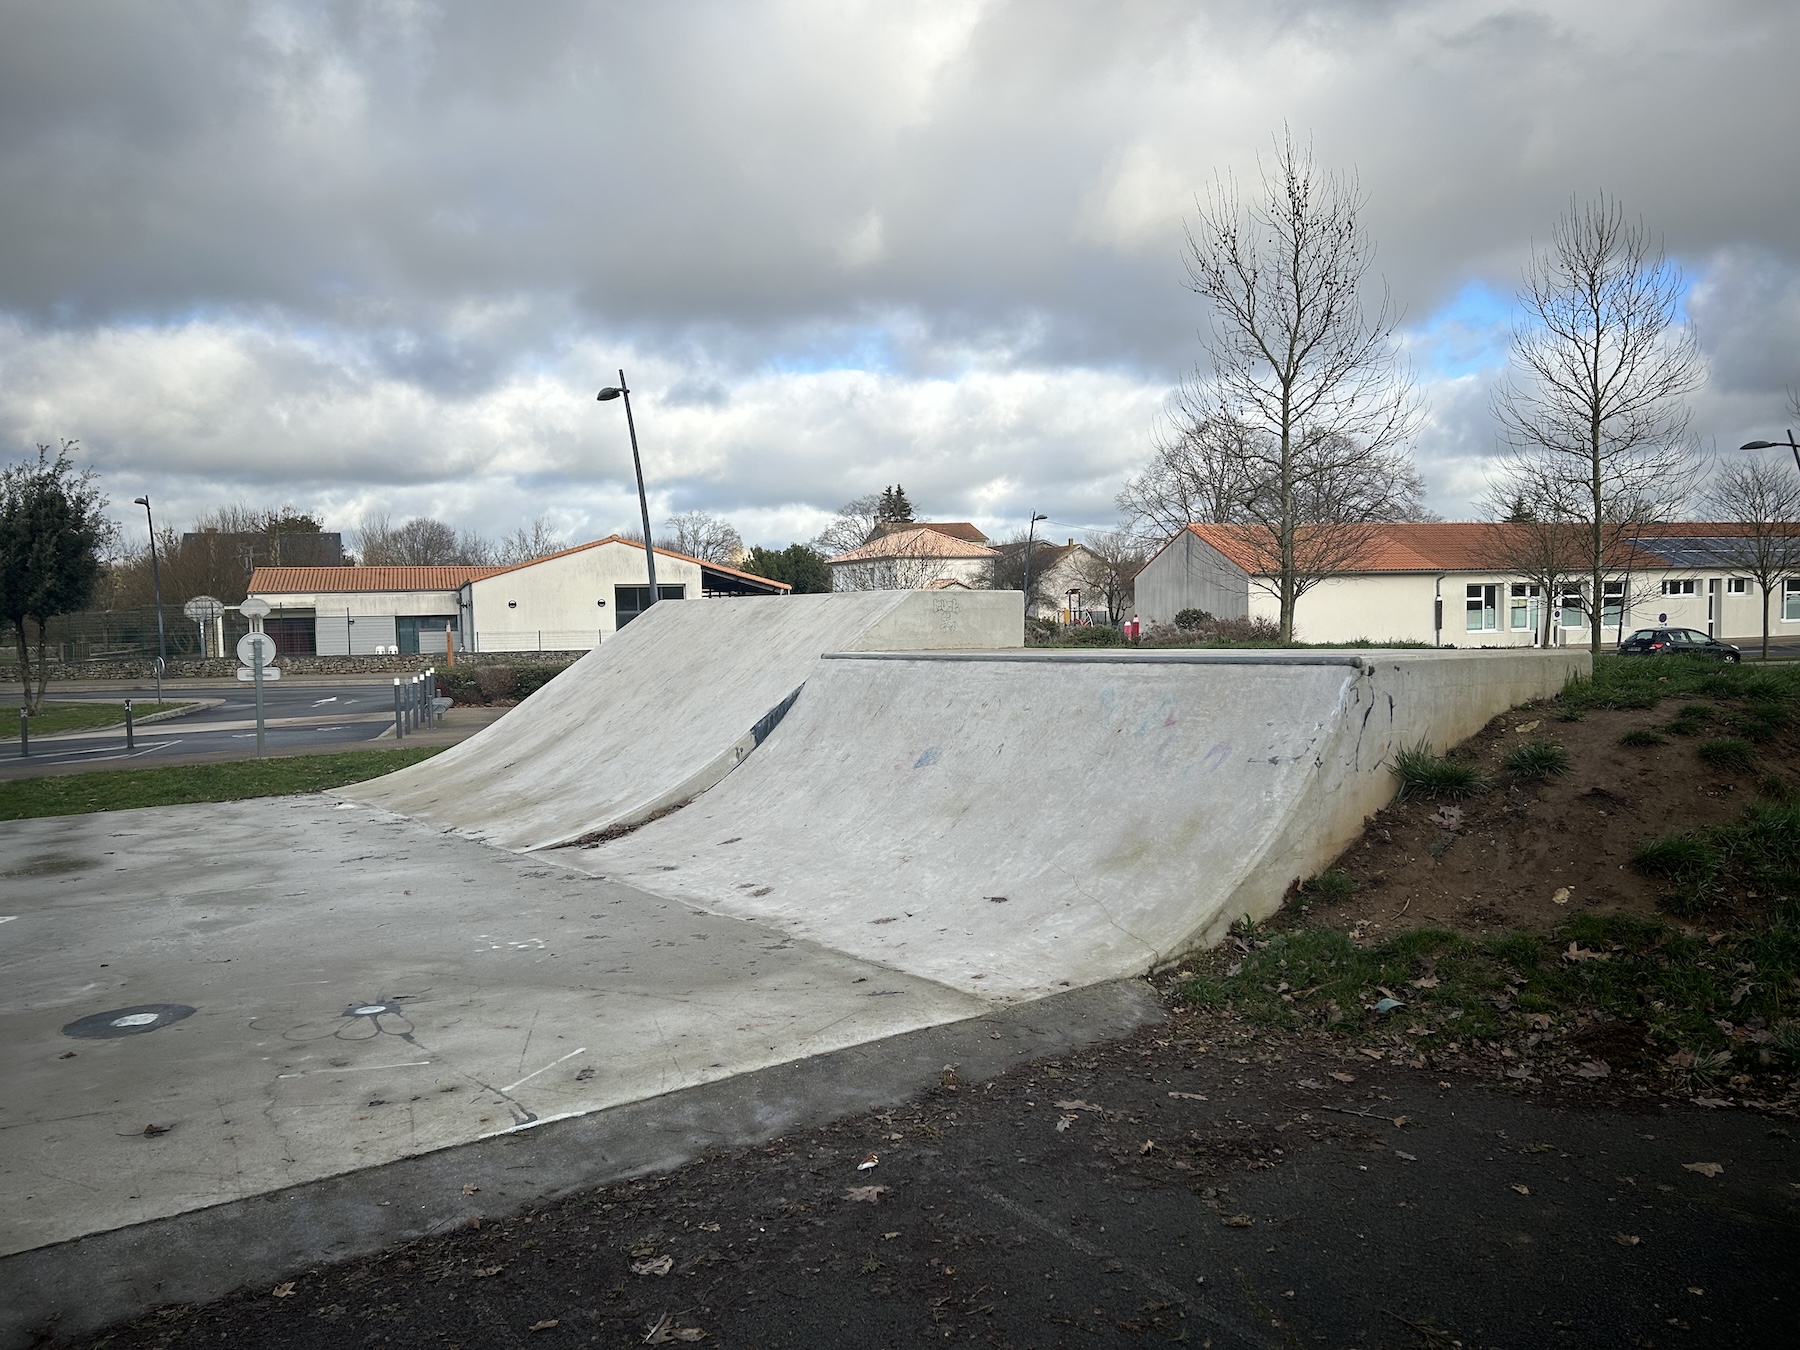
135,1019
370,1009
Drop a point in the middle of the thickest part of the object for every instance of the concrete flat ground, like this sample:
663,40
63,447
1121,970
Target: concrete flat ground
308,987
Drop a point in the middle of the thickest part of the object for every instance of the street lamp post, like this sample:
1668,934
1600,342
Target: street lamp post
606,395
162,644
1030,531
1790,443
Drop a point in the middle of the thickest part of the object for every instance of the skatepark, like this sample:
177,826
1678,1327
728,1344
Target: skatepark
749,863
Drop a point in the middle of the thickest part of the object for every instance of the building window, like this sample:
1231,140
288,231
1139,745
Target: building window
1790,600
1483,607
631,601
1737,586
1612,603
1526,603
1683,587
1574,609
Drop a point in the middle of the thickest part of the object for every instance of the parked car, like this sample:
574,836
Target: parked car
1678,642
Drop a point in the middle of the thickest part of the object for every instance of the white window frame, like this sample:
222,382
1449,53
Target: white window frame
1481,607
1737,585
1612,603
1681,586
1574,608
1524,606
1790,600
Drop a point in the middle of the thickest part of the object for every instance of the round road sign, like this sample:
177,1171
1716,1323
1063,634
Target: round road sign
251,644
203,608
254,608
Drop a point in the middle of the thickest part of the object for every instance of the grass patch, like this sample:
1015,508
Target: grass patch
1757,856
1726,752
1640,737
1332,884
1691,720
57,717
1455,989
1423,774
1537,759
1641,682
177,785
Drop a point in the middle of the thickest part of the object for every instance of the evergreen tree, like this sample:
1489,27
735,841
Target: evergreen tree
894,509
800,565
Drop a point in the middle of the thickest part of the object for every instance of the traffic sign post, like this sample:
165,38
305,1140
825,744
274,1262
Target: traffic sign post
257,651
202,610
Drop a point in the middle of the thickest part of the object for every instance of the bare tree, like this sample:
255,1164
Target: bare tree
702,535
1310,377
856,520
1108,567
1007,570
537,540
420,542
1538,538
1593,409
1194,475
1761,497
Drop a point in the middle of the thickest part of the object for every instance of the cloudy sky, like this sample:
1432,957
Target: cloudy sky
378,257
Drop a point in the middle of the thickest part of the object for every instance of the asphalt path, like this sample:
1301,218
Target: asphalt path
295,717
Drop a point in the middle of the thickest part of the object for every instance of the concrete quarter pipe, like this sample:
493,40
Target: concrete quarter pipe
1014,824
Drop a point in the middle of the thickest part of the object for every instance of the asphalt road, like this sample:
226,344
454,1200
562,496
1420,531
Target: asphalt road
296,716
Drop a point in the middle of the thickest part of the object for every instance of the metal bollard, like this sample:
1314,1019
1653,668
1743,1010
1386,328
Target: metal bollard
430,698
130,743
24,734
399,716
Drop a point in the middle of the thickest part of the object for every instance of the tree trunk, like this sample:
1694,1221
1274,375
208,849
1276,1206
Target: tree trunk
1765,611
25,666
43,665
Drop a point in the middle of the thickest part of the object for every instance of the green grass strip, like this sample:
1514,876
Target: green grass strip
182,784
57,717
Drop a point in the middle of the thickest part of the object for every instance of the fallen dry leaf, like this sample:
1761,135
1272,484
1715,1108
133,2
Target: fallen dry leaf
663,1330
1522,1190
1343,1077
889,1237
545,1325
709,1228
1402,1153
1063,1123
1146,1146
1560,896
1426,982
1237,1221
1187,1096
284,1290
1593,1068
869,1162
487,1272
1704,1169
1447,816
1627,1239
871,1194
1076,1105
151,1131
469,1188
1525,727
1579,953
658,1265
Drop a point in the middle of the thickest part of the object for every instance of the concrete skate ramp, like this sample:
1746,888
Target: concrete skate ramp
1015,825
667,709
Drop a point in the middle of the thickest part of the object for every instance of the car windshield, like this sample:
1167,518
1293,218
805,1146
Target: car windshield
1642,635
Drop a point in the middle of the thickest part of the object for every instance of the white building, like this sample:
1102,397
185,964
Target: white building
566,601
915,558
1450,584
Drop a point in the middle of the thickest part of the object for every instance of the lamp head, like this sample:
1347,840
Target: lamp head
140,501
609,393
1757,445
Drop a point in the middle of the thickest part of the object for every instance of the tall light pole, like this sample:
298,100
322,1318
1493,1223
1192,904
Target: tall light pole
162,644
1790,443
607,395
1030,532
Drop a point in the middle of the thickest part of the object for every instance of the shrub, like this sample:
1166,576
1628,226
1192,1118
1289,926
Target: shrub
1643,736
1095,635
1190,619
1332,884
1537,759
1423,774
458,683
527,680
496,682
1726,752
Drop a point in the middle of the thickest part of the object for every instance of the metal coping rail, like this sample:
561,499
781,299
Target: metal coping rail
1362,663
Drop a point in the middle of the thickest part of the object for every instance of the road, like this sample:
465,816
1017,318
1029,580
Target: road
296,716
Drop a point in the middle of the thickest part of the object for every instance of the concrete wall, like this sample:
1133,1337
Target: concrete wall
562,595
1190,574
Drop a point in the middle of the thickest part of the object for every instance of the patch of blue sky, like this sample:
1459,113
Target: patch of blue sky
867,348
1469,335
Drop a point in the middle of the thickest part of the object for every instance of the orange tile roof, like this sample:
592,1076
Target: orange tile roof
965,530
918,542
1439,546
325,580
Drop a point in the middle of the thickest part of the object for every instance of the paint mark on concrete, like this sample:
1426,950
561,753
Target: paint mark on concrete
144,1018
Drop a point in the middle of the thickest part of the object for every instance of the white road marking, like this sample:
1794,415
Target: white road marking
322,702
551,1065
7,918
